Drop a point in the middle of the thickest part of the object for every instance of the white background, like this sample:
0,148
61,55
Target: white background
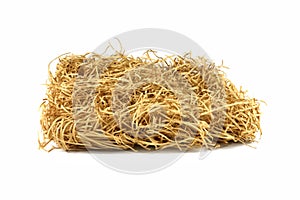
258,40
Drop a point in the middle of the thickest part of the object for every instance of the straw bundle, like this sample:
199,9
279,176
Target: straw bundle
148,102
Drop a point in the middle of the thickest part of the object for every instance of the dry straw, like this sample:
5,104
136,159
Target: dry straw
147,102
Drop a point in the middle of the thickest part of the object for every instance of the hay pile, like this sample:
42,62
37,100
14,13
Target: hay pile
148,102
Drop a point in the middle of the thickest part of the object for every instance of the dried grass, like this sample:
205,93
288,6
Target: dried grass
149,102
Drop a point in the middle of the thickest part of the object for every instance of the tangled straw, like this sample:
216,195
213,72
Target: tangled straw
148,102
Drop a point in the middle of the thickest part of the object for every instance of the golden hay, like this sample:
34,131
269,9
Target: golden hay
149,102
